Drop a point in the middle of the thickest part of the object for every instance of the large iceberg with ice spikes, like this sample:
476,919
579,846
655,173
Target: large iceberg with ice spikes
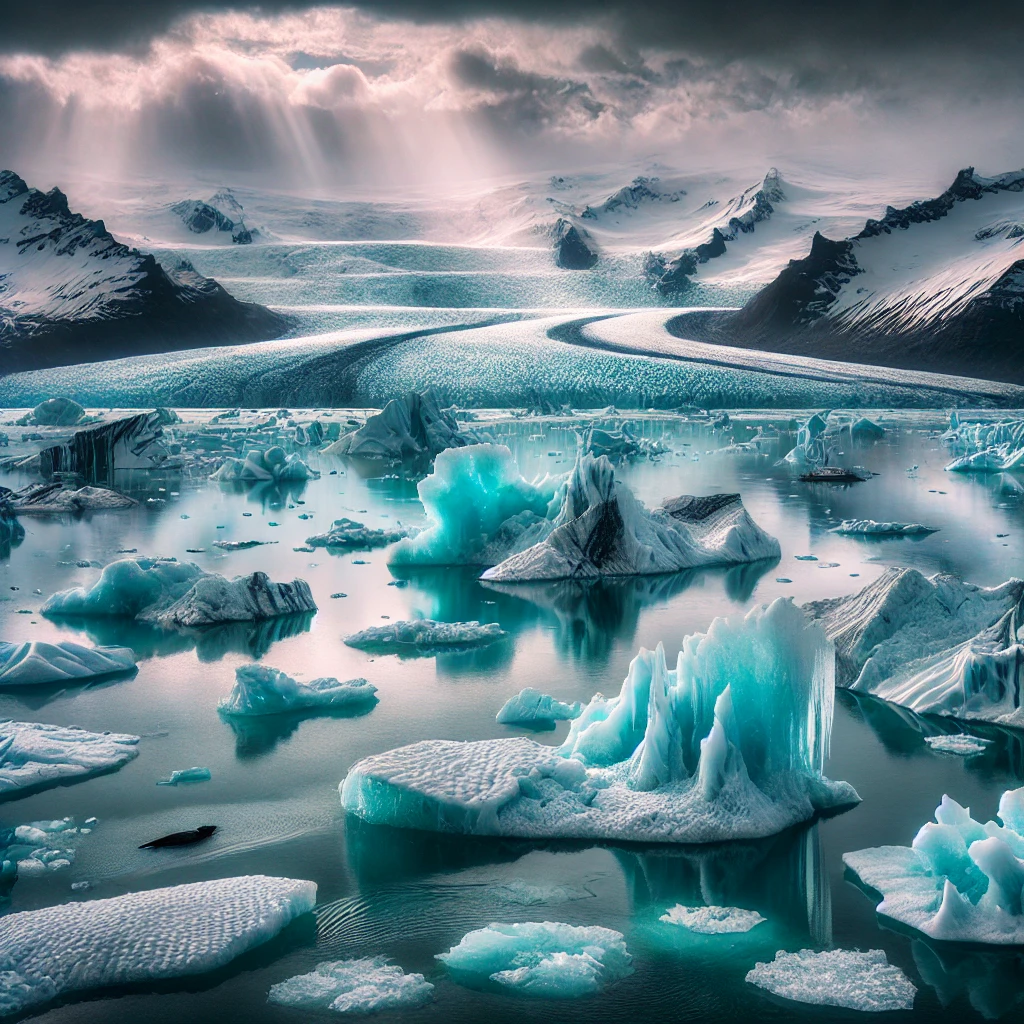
603,530
731,743
261,690
959,881
985,447
933,644
174,595
481,509
141,937
36,663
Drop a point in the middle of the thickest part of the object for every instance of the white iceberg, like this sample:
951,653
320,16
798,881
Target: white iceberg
872,528
174,594
367,985
261,690
347,533
935,645
547,959
812,450
730,744
712,920
960,881
425,637
531,706
837,977
261,466
603,530
34,755
141,937
38,848
997,459
620,445
35,662
958,743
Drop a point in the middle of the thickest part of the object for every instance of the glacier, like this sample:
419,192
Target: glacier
712,920
959,881
34,755
546,959
36,662
366,985
837,977
424,637
729,744
935,645
261,690
531,707
141,937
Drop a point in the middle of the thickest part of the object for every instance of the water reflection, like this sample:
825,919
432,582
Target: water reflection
257,735
990,979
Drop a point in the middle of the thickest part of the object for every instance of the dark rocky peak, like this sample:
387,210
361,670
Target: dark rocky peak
11,186
632,197
574,248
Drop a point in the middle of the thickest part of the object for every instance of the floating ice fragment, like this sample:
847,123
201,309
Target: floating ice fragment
871,528
532,706
712,920
806,558
261,690
422,637
958,743
240,545
186,775
258,466
36,663
367,985
56,498
347,533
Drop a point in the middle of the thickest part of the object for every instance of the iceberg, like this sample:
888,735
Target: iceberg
186,775
347,533
36,849
173,595
141,937
56,412
258,467
811,449
871,528
959,881
424,637
712,920
990,460
935,645
531,707
985,447
35,756
730,744
261,690
12,532
35,663
619,445
603,530
837,977
546,959
57,498
958,743
367,985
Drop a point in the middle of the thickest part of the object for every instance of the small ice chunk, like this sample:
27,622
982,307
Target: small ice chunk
424,636
712,920
837,977
531,706
872,528
347,533
36,663
261,690
194,774
959,743
367,985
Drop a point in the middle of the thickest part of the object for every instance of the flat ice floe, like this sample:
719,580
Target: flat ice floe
37,663
34,755
261,690
958,743
143,936
934,644
837,977
367,985
712,920
546,959
730,744
873,528
424,637
347,533
959,881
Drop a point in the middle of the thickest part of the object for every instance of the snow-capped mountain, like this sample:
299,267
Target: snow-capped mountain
936,285
71,293
221,212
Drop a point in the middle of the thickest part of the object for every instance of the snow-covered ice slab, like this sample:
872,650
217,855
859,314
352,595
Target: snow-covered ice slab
837,977
261,690
934,644
367,985
712,920
423,637
35,662
530,706
959,743
547,959
143,936
730,744
34,755
960,881
873,528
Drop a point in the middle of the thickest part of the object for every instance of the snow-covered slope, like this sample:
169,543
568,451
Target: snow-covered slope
71,293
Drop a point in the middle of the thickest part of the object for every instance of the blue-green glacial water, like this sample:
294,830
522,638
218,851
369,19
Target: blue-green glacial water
274,786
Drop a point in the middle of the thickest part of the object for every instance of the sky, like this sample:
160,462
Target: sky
410,94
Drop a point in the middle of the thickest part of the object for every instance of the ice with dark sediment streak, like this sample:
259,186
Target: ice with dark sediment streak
262,466
174,594
530,706
424,636
712,920
56,498
347,533
729,744
34,755
873,528
936,645
261,690
36,662
480,509
602,529
959,881
141,937
366,985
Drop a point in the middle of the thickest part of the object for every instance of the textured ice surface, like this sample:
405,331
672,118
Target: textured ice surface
620,445
871,528
712,920
480,509
179,594
141,937
837,977
812,447
346,533
985,447
186,775
959,743
935,645
36,849
532,706
34,755
960,881
261,690
55,498
729,744
272,464
354,986
602,530
424,636
35,662
545,959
